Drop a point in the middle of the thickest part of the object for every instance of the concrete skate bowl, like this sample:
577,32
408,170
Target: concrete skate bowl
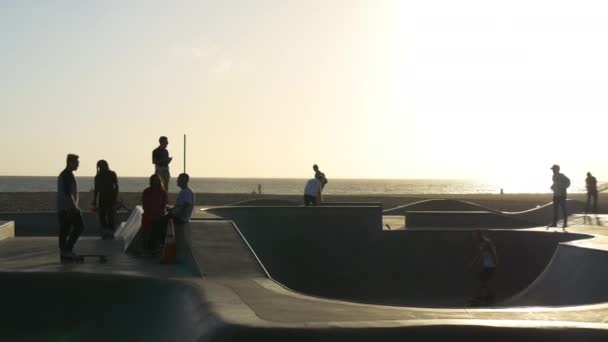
444,213
342,253
94,307
575,276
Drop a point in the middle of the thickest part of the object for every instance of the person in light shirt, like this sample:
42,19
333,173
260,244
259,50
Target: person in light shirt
312,192
184,204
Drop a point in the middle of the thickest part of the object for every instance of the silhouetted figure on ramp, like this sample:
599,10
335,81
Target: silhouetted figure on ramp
559,188
104,198
591,183
68,212
489,262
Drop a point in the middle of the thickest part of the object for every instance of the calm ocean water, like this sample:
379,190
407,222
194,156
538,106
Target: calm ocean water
277,186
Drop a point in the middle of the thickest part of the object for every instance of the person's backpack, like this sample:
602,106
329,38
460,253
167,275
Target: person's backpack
566,182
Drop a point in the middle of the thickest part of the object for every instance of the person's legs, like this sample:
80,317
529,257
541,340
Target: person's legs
555,205
102,213
78,227
161,228
64,229
166,177
595,202
562,204
588,202
308,200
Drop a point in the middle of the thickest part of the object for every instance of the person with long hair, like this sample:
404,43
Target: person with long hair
154,202
104,198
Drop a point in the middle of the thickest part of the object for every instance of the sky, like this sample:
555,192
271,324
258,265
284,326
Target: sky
488,90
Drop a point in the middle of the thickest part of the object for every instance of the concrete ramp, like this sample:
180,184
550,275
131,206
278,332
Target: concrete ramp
219,250
129,230
575,276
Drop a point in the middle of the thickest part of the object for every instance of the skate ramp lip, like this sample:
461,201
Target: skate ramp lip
80,306
539,216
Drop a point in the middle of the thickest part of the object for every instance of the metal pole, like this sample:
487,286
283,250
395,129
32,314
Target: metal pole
184,153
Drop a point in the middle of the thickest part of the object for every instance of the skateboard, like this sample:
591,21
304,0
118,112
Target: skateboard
80,258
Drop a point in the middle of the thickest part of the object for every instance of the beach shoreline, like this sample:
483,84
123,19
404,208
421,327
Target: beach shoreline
45,201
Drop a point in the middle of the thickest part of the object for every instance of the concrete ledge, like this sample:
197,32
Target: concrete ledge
352,204
44,223
7,230
460,219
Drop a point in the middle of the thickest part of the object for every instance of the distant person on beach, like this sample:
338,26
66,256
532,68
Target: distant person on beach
154,202
184,204
312,192
591,192
68,212
320,175
559,187
489,262
161,161
104,198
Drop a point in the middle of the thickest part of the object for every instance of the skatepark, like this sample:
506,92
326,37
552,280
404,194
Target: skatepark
275,271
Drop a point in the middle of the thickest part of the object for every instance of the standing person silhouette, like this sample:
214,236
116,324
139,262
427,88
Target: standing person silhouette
319,175
68,212
591,183
161,161
559,187
104,198
154,201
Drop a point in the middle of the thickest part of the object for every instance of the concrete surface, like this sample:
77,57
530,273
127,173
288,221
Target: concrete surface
137,299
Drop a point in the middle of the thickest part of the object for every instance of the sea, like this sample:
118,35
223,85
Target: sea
281,186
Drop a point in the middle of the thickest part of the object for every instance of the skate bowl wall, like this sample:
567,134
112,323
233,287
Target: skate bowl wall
86,306
575,276
410,268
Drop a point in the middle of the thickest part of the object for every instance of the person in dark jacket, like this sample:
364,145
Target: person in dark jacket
104,198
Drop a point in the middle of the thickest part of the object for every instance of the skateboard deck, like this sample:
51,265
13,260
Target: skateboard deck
80,258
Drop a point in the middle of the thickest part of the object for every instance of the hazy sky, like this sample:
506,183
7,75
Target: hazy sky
265,88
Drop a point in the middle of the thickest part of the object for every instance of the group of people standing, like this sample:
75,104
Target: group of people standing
155,202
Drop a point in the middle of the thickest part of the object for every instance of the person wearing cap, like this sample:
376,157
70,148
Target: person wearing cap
560,184
591,183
